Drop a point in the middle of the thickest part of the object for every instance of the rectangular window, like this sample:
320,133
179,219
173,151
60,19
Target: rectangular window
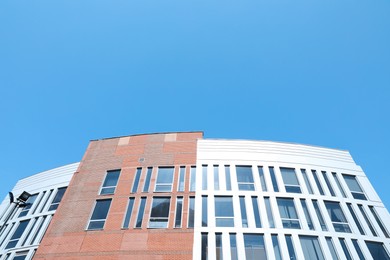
345,249
319,215
218,246
273,179
29,204
110,182
57,199
216,177
307,214
262,178
290,180
179,212
130,206
254,247
204,177
205,247
307,182
318,182
141,211
256,211
193,178
99,214
358,250
32,242
233,246
354,187
204,211
34,222
164,179
160,212
355,219
227,177
367,220
224,216
243,212
336,179
311,248
377,250
20,255
17,234
38,204
45,201
288,213
182,177
290,247
337,217
378,221
328,184
332,250
147,179
136,180
275,244
191,212
269,212
245,178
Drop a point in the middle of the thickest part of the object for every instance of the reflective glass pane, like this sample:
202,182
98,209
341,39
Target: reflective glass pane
182,178
218,246
233,247
290,247
243,212
331,248
147,179
256,212
204,211
245,178
216,177
160,212
254,247
357,222
128,213
262,178
307,182
358,250
273,179
136,180
337,217
205,247
193,178
179,212
328,184
276,247
191,212
141,210
377,250
345,249
204,177
307,214
227,177
311,248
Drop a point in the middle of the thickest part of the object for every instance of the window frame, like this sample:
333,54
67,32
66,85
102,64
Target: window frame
56,204
164,184
241,183
336,224
288,222
358,195
117,171
217,217
96,220
159,219
290,188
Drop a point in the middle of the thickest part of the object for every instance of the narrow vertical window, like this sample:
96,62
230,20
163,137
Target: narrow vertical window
311,248
377,250
29,204
129,210
273,179
288,214
378,221
136,180
147,179
355,219
275,244
218,246
243,212
254,247
367,220
99,214
337,217
307,214
290,247
245,178
204,211
336,179
160,212
17,234
34,221
191,212
224,216
332,250
290,180
38,203
307,182
45,201
164,179
57,199
182,177
193,178
179,212
345,249
38,231
227,177
205,247
216,177
262,178
110,182
141,211
7,233
256,212
269,212
358,250
318,182
354,187
328,184
233,246
319,215
204,177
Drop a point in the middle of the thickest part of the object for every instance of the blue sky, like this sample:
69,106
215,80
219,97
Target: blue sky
312,72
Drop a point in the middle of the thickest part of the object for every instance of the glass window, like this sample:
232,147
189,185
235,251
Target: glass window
307,182
147,179
218,246
273,179
355,219
307,214
227,177
224,216
345,249
141,211
191,212
38,204
99,214
243,212
193,178
245,178
288,213
358,250
262,178
130,206
328,184
179,212
136,180
216,177
38,231
110,182
17,234
337,217
182,177
377,250
378,221
254,247
256,211
164,179
290,180
46,199
269,212
318,182
367,220
290,247
34,222
29,203
319,216
311,248
354,187
160,212
20,255
233,246
7,233
204,211
57,199
332,250
275,244
205,247
204,177
336,179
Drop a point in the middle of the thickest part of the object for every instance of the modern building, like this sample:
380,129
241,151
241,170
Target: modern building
180,196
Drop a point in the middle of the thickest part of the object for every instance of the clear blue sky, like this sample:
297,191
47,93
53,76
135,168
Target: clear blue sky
312,72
